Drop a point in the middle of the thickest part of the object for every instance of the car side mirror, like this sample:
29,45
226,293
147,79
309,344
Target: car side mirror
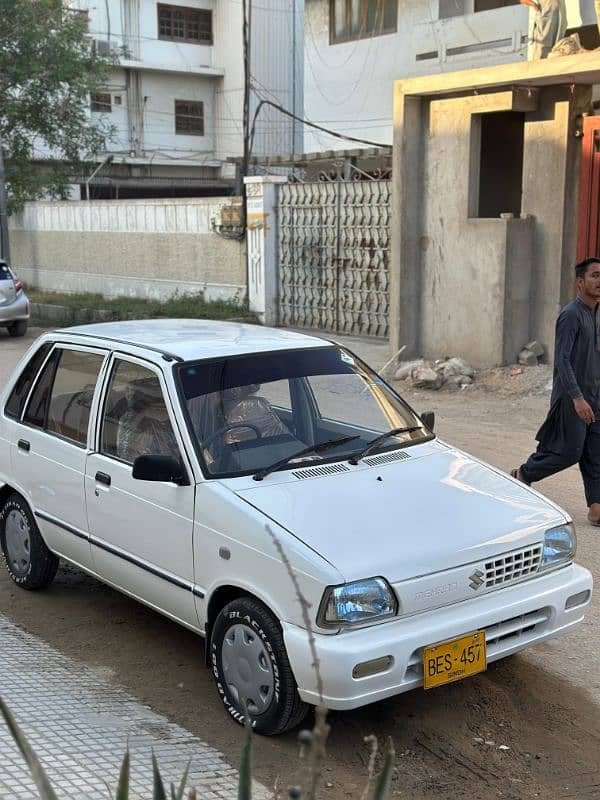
159,468
428,419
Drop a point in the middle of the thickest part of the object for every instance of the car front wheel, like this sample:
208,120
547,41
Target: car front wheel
29,562
251,668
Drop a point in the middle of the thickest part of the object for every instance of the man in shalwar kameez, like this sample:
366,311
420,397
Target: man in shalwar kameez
571,432
549,25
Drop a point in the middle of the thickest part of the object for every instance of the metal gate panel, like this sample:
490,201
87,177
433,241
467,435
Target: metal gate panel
334,248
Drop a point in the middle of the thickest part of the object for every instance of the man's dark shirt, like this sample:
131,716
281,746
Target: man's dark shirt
577,354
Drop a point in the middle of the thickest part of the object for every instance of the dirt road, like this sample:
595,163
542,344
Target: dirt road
543,705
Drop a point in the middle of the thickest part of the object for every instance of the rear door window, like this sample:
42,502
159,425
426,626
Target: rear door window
18,396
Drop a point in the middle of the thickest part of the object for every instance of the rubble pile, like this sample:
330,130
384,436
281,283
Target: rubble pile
423,374
530,354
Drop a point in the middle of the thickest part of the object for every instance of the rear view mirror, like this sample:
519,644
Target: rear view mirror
159,468
428,419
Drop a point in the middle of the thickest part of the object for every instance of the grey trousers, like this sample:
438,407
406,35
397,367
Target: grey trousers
564,440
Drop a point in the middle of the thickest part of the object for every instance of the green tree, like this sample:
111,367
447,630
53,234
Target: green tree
47,71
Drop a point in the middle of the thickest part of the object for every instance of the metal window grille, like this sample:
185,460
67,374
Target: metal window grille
101,102
189,118
185,24
361,19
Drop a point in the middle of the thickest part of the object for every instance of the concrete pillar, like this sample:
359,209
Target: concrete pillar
551,163
407,191
262,245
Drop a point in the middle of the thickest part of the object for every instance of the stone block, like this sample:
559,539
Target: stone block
535,347
527,358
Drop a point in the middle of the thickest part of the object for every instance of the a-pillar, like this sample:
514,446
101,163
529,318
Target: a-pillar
261,243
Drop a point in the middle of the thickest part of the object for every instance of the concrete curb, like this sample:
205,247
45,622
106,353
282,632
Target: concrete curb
49,312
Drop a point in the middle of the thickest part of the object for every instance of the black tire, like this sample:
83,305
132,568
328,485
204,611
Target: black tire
29,562
18,328
281,708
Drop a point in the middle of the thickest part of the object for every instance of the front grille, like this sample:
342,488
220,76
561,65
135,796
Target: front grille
512,566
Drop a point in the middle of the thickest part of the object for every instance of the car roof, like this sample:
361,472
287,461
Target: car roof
191,339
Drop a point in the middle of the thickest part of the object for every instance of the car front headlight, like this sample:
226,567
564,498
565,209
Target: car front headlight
559,546
357,603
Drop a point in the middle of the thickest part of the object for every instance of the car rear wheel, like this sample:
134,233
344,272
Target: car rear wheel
251,668
29,562
18,328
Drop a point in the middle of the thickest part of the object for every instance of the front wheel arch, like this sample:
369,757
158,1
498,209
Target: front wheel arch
218,600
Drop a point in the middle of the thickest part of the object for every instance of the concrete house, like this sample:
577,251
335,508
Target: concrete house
176,99
353,53
495,195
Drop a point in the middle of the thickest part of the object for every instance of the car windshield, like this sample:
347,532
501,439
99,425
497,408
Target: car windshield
246,413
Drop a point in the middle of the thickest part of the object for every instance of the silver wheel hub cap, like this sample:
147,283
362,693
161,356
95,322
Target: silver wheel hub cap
17,537
247,669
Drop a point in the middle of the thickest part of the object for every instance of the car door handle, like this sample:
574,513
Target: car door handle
23,445
102,477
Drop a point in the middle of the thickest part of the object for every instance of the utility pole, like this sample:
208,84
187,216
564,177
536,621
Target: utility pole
5,249
246,28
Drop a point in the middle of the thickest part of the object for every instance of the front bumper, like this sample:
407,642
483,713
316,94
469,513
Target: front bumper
17,309
513,618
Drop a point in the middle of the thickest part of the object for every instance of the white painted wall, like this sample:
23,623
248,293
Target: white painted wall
348,87
137,248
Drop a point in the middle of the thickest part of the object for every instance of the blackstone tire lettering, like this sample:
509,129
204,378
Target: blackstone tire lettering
285,710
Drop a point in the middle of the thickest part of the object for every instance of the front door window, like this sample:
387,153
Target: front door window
136,421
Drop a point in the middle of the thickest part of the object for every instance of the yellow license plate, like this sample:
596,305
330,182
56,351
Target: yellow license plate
453,660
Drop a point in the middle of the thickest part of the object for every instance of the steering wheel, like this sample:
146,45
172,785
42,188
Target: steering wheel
231,427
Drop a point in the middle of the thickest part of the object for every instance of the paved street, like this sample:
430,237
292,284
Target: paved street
80,726
543,705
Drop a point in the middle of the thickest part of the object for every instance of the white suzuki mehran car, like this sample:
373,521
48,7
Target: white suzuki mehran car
200,467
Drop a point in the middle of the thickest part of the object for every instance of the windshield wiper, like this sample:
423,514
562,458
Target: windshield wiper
313,448
354,459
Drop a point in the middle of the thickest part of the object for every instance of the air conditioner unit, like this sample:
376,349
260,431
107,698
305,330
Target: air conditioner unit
101,47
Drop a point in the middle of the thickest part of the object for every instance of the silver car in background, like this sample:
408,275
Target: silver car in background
14,305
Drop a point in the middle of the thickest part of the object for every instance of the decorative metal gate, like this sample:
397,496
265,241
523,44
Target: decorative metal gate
334,250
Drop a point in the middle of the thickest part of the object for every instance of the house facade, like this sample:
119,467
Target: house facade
176,98
355,49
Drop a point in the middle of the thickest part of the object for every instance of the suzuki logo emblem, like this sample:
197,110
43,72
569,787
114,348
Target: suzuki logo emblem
476,579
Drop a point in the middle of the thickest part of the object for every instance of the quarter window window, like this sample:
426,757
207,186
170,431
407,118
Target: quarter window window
18,396
361,19
38,403
185,24
135,420
72,394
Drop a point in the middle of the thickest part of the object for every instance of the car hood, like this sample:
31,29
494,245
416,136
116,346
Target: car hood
436,509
